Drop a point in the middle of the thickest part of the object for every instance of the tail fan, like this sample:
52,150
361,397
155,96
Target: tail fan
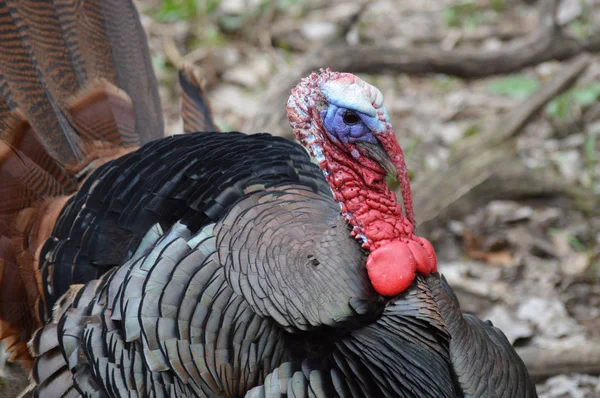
195,108
76,89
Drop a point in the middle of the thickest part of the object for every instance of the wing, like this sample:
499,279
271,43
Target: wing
403,354
484,361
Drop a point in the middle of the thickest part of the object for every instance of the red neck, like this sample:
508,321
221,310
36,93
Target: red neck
367,202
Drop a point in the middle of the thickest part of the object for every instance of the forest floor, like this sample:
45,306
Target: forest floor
519,250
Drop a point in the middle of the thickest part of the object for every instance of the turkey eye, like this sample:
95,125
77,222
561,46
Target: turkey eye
350,118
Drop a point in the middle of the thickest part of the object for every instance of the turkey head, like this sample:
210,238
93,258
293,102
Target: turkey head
343,123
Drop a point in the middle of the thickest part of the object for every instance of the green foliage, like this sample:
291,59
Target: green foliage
591,155
471,131
232,23
587,96
468,15
516,86
582,26
283,4
212,35
177,10
576,243
560,108
592,159
173,10
159,64
565,105
223,125
445,84
164,69
267,5
392,182
498,5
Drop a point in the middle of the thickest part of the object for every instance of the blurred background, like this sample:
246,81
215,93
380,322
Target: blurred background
502,139
496,105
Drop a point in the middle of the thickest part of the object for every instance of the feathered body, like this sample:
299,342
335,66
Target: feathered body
211,264
256,283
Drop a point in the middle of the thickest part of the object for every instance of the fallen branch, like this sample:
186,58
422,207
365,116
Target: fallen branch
486,167
543,363
547,42
478,35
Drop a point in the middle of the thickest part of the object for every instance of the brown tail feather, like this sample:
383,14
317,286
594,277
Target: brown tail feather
4,108
83,23
24,89
195,107
15,315
18,133
76,89
134,69
31,199
104,113
52,50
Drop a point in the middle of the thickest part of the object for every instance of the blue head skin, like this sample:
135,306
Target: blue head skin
346,126
354,116
355,111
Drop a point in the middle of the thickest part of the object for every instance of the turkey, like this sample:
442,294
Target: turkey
212,264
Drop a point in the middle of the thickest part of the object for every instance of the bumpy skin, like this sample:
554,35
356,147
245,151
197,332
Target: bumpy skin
253,286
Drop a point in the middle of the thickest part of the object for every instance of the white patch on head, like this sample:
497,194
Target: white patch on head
350,92
318,153
362,237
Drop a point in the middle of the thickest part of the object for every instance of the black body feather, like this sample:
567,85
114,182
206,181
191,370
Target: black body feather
218,292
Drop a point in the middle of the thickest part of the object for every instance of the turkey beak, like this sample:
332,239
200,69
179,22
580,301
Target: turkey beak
379,154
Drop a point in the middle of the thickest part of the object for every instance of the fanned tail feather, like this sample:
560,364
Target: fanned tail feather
195,108
76,90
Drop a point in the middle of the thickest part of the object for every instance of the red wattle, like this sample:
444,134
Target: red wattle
428,248
391,268
421,258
